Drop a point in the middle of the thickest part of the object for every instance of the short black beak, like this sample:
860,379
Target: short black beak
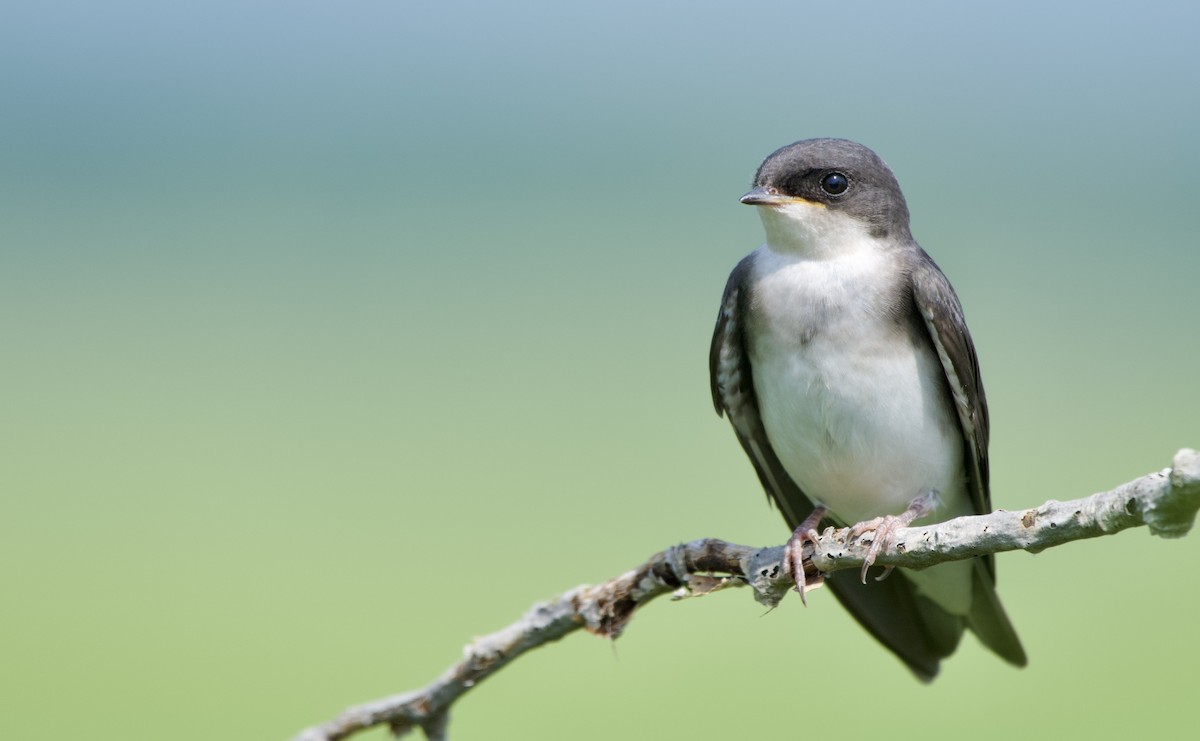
760,196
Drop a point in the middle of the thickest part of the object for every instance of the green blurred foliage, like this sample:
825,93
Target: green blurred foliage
335,336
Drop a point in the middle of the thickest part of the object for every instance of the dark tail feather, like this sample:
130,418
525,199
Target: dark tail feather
919,632
988,621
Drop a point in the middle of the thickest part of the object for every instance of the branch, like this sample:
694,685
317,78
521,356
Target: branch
1166,502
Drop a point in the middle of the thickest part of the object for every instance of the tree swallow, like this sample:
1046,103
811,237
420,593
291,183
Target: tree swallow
843,362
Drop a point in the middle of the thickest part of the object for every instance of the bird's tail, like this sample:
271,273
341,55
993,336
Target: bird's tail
988,620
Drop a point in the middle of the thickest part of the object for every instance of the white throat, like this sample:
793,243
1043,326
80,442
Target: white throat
812,230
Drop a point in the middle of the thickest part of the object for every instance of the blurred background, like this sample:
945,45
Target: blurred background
338,334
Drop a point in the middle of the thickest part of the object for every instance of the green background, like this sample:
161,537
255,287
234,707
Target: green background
335,334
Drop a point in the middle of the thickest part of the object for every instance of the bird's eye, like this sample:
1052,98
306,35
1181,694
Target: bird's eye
835,183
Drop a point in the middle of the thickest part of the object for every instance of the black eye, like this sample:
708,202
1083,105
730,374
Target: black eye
835,183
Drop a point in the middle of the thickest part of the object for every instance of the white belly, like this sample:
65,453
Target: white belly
860,426
853,403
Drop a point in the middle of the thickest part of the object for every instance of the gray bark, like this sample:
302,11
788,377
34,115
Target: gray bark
1166,502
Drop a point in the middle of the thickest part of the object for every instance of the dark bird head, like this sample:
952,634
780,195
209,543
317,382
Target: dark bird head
817,186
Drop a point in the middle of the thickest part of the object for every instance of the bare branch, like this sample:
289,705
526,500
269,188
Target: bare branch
1166,502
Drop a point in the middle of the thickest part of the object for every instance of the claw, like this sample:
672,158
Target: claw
885,529
793,552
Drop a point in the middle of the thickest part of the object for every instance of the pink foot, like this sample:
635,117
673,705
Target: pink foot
806,532
886,527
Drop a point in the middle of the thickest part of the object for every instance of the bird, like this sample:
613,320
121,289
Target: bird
843,362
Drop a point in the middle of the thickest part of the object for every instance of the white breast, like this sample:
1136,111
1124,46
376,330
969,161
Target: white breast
852,401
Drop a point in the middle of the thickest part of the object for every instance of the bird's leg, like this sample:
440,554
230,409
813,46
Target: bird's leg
885,528
806,532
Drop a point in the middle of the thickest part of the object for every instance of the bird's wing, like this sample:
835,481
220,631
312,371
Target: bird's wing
943,318
908,624
733,396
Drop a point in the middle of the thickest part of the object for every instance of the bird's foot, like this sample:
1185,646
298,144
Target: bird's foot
886,527
793,552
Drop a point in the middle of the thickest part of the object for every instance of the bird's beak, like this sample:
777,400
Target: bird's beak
760,196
